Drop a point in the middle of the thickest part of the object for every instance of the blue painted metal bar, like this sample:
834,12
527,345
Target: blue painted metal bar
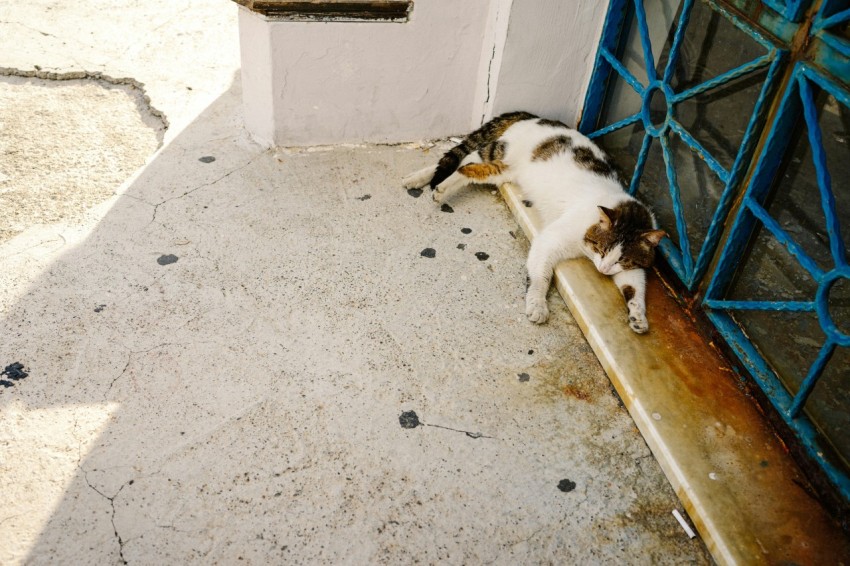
615,126
681,225
641,161
833,20
622,70
646,43
722,78
811,379
827,323
783,238
833,228
595,96
673,255
769,382
783,306
701,151
673,56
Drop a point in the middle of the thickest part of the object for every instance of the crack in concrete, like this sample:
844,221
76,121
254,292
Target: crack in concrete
111,500
204,185
130,355
96,76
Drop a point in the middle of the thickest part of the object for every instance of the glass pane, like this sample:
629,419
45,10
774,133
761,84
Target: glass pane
624,147
700,190
834,119
827,406
621,101
662,18
717,118
769,273
654,189
797,203
791,352
711,46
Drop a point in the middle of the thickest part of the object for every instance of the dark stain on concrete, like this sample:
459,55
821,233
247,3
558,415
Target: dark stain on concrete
415,193
466,230
446,208
364,197
566,485
482,256
461,246
166,259
14,372
207,159
99,308
409,419
428,252
523,377
527,203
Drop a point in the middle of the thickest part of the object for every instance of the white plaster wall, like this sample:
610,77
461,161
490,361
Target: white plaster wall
374,82
548,57
257,87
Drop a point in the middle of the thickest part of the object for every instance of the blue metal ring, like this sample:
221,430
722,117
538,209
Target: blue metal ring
652,129
822,299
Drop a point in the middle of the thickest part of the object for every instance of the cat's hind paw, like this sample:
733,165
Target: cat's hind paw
537,310
418,179
638,323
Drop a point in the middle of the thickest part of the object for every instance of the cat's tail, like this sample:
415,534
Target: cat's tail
486,134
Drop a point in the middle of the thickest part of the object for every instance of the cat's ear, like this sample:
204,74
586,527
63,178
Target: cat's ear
606,217
653,237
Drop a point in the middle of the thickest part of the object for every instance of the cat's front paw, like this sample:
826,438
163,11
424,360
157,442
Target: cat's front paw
638,323
536,310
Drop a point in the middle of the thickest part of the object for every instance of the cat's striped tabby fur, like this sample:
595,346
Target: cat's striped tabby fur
569,180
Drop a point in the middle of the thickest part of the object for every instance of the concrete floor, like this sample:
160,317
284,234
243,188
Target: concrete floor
224,355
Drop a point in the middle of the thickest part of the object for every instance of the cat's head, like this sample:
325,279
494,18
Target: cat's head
624,238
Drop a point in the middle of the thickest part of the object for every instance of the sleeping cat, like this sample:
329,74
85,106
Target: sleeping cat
568,179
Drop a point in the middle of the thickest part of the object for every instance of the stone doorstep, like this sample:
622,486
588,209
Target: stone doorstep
743,491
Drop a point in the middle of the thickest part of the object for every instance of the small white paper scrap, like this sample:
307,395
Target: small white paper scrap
688,530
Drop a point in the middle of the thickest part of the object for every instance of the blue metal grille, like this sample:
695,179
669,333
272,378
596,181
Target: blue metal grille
798,100
780,292
679,254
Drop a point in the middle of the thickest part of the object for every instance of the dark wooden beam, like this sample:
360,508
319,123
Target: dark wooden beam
331,10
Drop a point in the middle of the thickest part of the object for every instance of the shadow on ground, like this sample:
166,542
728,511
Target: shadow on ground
217,367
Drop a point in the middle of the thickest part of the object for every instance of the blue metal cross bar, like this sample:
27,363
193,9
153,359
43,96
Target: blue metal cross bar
775,306
836,244
811,379
616,126
622,70
641,161
673,58
649,59
833,20
701,151
784,239
681,226
729,75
